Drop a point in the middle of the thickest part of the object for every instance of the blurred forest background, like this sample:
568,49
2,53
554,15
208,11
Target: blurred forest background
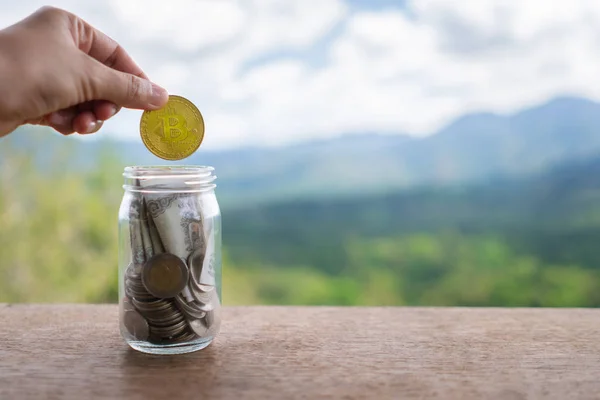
491,211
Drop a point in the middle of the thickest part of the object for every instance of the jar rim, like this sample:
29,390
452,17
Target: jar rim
170,178
136,171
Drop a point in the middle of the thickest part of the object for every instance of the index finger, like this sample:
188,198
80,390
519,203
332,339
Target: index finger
103,48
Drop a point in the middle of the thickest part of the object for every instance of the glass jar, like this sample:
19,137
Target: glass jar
169,259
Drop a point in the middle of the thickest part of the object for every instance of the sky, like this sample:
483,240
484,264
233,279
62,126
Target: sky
276,72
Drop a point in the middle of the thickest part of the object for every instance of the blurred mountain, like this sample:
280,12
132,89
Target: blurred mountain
476,147
554,214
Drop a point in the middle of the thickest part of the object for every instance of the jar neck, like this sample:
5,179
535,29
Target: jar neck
170,179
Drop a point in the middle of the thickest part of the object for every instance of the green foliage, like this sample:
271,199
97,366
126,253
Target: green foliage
475,271
57,231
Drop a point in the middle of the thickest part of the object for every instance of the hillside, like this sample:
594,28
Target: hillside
555,215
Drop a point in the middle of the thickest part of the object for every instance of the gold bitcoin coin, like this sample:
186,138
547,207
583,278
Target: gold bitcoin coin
175,131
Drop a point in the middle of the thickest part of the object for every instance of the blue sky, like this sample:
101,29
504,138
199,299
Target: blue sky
271,72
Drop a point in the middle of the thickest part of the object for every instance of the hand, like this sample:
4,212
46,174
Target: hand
57,70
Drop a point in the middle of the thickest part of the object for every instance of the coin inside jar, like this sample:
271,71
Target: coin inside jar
189,309
165,275
127,306
136,325
199,327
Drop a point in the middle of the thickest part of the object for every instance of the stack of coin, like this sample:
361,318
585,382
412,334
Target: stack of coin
203,310
163,319
167,301
133,321
166,323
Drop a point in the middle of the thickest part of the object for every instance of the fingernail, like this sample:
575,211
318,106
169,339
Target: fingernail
94,127
55,119
159,96
60,117
113,110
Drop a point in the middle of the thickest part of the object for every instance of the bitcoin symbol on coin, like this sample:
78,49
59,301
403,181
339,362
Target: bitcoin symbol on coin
174,129
173,132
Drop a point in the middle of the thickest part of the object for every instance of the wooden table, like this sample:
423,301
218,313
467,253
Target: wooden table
75,352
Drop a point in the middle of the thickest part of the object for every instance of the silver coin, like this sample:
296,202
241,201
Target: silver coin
189,309
199,327
165,275
138,295
130,271
136,286
209,319
203,300
129,293
186,336
152,305
202,297
167,323
169,331
127,306
163,316
136,325
174,319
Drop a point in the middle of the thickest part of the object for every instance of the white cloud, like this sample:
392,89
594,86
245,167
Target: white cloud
188,25
524,51
274,71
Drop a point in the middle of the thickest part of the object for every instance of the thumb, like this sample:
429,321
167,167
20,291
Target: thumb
126,90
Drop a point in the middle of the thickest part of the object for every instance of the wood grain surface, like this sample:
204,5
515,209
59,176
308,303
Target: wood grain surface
75,352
